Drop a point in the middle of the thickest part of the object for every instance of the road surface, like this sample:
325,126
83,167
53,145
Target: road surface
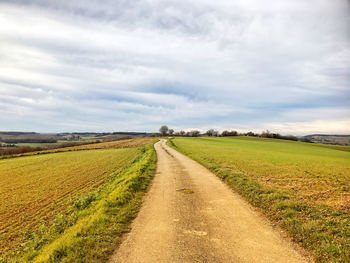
189,215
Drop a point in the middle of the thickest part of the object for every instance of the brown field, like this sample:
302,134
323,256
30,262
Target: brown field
113,144
127,143
34,189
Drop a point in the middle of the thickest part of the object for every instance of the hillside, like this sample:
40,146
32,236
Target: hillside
329,139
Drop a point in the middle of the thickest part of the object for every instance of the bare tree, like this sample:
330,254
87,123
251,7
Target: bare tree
195,133
171,131
266,134
212,132
163,130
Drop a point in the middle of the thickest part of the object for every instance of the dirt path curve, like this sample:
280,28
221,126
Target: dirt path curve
210,224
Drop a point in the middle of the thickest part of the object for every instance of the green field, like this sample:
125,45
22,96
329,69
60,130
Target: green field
303,187
49,200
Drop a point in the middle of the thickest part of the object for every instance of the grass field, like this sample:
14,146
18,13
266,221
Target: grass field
39,192
303,187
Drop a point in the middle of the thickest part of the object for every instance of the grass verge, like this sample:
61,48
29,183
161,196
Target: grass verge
321,229
92,229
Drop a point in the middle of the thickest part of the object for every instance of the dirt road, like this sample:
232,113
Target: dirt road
189,215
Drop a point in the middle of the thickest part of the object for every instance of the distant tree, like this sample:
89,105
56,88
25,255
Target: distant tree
250,133
266,134
195,133
182,133
229,133
210,132
164,130
225,133
171,131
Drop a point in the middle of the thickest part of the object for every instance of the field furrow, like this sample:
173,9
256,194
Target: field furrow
34,189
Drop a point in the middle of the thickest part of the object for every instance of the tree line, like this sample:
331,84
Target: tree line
165,131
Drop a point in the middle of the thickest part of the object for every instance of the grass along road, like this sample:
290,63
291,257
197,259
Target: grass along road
303,187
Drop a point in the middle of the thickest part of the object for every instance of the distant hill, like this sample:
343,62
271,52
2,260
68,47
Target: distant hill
329,139
33,137
13,133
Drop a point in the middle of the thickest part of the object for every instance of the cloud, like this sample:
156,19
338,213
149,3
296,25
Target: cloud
134,65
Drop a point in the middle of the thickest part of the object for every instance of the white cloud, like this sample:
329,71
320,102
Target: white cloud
75,65
312,127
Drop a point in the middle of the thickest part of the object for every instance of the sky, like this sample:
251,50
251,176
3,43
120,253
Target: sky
128,65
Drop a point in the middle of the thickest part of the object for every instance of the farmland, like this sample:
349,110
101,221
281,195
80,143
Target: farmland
304,188
38,189
126,143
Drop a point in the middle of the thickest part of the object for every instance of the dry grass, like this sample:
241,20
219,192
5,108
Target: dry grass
33,189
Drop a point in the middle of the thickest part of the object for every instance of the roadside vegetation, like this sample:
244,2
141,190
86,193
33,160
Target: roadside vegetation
304,188
72,206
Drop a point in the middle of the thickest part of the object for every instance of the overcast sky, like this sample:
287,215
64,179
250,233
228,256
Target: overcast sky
125,65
